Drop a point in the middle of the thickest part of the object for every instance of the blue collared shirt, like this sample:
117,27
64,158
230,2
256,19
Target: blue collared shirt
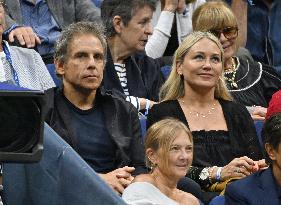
39,17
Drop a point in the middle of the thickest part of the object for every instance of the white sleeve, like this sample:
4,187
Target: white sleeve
134,100
158,41
184,20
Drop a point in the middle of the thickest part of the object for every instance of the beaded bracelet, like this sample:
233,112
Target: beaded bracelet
218,174
211,170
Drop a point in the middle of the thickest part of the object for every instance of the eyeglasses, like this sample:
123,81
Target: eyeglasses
228,32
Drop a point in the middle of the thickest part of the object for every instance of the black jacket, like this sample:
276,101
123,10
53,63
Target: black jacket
121,120
143,75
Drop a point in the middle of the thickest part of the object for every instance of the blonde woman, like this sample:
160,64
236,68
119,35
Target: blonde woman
225,140
169,152
249,82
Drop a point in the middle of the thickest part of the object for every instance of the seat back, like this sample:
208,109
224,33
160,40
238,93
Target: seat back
218,200
52,70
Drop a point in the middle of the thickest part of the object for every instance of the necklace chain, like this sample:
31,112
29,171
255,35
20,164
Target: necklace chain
232,74
200,114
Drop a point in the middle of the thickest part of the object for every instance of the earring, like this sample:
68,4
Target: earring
153,166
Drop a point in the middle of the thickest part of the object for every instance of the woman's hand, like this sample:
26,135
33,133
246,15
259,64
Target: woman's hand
170,5
143,102
238,167
181,6
174,5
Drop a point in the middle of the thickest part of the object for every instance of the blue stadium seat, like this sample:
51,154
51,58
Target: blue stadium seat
166,71
52,70
259,125
142,119
218,200
97,3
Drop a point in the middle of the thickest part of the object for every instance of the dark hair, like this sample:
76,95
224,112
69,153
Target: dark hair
126,9
271,132
69,33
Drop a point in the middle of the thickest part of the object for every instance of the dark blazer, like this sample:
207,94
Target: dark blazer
144,77
256,189
65,12
121,120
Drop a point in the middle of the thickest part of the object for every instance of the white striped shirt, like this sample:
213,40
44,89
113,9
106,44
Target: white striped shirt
122,75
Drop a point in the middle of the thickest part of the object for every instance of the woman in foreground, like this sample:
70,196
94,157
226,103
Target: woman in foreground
169,153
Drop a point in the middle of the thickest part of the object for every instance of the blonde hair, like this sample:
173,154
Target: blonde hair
213,15
173,88
161,135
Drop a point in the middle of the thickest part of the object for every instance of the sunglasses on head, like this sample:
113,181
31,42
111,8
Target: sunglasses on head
228,32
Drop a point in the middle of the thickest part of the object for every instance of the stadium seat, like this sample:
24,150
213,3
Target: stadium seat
258,126
218,200
52,70
166,71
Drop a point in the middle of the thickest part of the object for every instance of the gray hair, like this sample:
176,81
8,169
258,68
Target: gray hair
69,33
126,9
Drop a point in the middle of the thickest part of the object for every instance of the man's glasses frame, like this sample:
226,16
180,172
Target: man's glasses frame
228,32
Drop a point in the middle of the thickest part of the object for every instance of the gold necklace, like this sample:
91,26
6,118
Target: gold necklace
200,114
231,71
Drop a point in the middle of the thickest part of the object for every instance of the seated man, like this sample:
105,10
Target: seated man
20,66
263,187
128,70
38,23
103,129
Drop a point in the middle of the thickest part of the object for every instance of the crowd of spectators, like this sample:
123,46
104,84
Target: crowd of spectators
201,139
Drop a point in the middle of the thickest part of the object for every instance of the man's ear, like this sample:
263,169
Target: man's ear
117,24
59,67
270,151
